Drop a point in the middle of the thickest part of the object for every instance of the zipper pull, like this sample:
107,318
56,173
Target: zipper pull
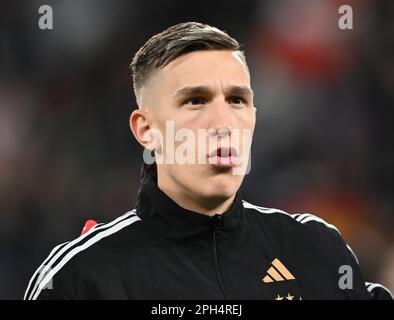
218,220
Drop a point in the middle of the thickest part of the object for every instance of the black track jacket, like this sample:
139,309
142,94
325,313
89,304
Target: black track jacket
162,251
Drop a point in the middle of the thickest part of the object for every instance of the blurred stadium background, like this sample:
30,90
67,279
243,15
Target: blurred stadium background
323,142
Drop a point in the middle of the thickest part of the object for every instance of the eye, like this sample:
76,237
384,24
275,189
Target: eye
237,100
195,101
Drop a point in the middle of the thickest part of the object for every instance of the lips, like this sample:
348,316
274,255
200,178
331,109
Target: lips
224,152
224,157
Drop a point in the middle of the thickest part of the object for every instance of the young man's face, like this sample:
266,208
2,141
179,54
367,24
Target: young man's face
203,90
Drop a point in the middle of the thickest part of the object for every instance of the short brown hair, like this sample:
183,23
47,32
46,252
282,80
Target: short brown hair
173,42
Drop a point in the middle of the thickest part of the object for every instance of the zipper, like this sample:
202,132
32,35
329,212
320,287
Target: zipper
218,271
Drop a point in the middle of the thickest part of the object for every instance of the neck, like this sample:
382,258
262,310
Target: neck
188,200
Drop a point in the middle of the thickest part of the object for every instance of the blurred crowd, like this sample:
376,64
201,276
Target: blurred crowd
323,139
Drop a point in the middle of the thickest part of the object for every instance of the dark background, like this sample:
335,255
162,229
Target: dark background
323,142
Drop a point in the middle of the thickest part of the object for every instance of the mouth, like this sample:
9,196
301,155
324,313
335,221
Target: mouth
224,157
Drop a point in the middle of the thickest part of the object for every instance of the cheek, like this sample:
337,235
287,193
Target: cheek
249,115
244,119
245,124
193,119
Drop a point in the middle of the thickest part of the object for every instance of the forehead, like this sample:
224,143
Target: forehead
207,68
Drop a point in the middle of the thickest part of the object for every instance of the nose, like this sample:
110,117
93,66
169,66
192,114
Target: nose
221,132
221,120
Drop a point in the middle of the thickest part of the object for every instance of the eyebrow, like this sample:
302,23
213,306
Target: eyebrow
198,90
239,90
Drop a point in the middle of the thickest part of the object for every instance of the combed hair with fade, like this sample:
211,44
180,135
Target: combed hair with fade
173,42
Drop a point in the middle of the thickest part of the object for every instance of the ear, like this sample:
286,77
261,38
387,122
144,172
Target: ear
140,126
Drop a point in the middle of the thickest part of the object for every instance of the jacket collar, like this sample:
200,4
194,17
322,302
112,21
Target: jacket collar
173,222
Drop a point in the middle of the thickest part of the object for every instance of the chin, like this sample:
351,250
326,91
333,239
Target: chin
223,186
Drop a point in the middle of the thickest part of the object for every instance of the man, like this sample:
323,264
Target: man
191,235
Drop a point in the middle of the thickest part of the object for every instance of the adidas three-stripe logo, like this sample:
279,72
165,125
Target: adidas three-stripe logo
64,252
277,272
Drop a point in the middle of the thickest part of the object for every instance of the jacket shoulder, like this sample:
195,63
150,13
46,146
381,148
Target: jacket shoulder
303,221
325,235
300,223
56,277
